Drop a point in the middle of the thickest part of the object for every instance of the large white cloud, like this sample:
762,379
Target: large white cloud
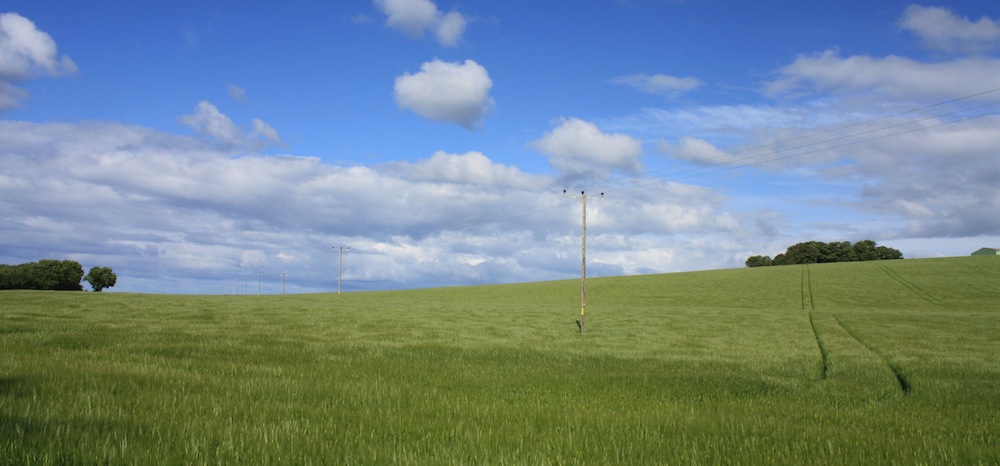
452,92
580,148
414,17
26,53
941,29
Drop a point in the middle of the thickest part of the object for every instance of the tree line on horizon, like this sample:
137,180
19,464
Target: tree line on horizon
818,252
57,275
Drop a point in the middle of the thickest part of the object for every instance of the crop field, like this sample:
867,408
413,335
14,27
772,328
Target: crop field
892,362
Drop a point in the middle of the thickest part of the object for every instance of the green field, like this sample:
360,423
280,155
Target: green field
893,362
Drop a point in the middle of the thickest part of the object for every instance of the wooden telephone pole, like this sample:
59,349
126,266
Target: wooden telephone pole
583,263
340,274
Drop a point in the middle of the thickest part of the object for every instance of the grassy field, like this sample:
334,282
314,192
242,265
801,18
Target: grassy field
892,362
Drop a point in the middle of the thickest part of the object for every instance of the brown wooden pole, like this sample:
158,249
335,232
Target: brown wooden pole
583,269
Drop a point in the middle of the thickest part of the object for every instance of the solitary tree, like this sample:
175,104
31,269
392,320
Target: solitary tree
101,278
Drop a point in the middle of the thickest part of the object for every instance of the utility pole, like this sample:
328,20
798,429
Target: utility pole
283,275
583,262
259,274
340,275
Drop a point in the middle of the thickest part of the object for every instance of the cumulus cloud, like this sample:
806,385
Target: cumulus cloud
451,92
26,53
941,29
208,121
414,17
662,84
580,148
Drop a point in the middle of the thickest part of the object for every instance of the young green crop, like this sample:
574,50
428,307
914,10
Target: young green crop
867,363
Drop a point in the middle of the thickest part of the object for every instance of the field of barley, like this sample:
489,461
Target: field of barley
891,362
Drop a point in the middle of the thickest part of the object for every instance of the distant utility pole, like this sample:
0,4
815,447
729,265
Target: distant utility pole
283,275
583,262
340,275
259,274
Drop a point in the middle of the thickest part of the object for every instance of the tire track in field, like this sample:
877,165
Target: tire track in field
824,355
904,384
910,286
807,294
979,271
806,289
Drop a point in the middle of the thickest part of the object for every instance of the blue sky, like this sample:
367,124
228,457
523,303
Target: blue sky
186,144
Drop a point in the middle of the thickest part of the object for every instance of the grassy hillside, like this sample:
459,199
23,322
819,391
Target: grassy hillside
860,363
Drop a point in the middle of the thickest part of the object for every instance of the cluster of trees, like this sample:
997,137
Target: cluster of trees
816,252
49,274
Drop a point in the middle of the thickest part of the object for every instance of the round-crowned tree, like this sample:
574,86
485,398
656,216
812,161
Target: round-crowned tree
101,278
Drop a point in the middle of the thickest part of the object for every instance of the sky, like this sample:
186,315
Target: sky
226,147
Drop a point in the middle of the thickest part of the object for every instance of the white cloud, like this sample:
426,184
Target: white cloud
579,148
696,150
897,77
451,92
264,130
26,53
472,168
941,29
414,17
662,84
209,121
901,77
177,214
237,93
450,28
942,179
